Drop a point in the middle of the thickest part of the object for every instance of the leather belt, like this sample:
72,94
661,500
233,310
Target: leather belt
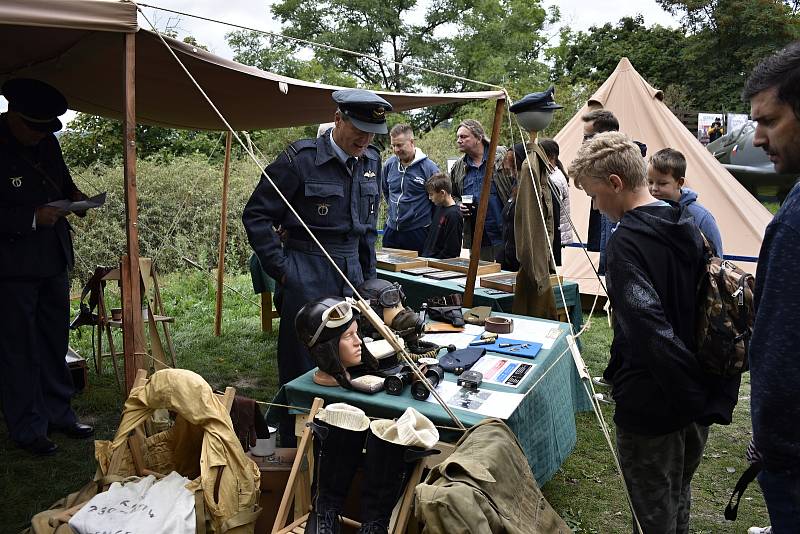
499,325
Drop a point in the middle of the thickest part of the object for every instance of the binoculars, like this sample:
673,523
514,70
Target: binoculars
394,384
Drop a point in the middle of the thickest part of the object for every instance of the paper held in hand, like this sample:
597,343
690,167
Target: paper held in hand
80,205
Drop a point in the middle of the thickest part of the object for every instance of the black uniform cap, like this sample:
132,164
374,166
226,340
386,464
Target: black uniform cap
38,103
365,109
536,102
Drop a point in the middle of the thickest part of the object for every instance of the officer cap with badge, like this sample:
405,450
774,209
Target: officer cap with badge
535,110
39,104
365,109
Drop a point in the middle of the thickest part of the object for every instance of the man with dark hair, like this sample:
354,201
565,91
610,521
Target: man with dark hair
773,91
447,226
35,258
404,176
598,121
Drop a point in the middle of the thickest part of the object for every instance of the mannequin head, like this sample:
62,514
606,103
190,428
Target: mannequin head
535,110
535,121
350,346
329,329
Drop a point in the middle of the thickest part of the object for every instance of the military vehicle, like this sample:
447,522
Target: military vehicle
748,164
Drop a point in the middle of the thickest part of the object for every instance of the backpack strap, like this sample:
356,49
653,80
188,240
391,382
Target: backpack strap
747,477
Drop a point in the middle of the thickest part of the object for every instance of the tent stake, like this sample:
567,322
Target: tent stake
223,234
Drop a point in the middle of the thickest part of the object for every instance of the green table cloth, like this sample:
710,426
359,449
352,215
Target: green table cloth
544,421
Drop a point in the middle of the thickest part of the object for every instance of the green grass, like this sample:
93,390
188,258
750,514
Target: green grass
587,492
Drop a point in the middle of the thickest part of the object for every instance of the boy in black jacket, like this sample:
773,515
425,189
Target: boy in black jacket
664,402
447,224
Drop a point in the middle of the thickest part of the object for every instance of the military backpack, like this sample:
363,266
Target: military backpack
725,316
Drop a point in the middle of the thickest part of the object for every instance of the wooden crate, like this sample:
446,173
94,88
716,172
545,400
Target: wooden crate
392,262
502,281
461,265
399,252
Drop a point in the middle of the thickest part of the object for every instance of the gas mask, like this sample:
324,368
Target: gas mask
388,301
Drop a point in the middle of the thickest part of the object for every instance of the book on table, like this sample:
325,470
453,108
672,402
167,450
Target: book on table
461,265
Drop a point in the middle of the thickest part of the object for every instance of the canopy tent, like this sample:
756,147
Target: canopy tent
644,117
76,46
94,52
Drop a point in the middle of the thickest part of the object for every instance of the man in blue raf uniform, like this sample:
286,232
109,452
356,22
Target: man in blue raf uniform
332,182
35,256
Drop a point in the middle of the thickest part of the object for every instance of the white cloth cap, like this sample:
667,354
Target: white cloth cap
342,415
412,429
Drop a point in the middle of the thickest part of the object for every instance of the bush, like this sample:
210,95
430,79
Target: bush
179,208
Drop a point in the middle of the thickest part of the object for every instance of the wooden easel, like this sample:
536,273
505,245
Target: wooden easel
156,315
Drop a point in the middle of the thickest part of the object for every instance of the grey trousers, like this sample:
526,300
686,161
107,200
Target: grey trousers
658,471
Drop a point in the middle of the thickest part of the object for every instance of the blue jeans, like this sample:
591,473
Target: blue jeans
782,494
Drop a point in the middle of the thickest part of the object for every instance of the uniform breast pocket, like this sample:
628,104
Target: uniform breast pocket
368,206
323,199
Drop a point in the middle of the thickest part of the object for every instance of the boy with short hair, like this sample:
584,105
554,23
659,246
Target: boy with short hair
664,401
665,178
447,223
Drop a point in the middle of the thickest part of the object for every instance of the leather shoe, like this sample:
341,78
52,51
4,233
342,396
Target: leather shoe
40,447
75,430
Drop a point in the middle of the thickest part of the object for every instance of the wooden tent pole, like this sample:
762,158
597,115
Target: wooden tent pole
223,234
483,205
132,325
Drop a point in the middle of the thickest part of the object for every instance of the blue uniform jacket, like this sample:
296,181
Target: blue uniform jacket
338,208
31,177
405,194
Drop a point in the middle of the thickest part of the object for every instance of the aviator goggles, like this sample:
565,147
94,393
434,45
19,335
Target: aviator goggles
390,296
333,317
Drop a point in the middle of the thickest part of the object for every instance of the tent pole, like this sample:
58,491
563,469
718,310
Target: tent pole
133,328
223,234
477,232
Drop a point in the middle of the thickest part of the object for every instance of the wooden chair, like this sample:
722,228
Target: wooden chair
298,488
156,315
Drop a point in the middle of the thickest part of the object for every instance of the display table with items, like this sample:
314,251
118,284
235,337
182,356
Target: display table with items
419,288
528,379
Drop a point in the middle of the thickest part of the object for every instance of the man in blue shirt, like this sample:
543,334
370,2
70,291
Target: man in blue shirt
403,187
467,179
773,90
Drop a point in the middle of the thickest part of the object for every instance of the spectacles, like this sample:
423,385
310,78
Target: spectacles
389,297
333,317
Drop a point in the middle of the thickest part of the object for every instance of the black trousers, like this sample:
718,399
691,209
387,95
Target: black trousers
34,333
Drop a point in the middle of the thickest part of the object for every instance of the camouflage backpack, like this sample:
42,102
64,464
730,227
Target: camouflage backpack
725,318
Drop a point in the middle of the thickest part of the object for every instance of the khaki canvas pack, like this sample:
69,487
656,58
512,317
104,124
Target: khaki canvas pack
725,316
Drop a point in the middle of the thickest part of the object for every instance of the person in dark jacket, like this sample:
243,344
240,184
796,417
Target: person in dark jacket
664,402
447,227
773,90
35,258
332,183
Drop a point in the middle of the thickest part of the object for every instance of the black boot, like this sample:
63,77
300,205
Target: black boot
387,468
337,455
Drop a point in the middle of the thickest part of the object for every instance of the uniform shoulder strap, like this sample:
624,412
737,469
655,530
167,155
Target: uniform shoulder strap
295,148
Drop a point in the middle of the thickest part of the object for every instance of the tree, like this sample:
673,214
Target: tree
91,139
592,56
488,40
727,39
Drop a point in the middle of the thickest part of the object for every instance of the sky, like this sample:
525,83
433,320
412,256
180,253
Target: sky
577,14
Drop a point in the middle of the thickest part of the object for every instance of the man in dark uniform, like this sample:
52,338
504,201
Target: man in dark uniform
332,182
35,257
